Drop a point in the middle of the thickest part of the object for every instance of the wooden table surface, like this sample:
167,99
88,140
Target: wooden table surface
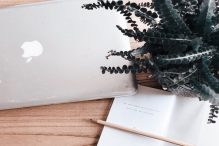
56,125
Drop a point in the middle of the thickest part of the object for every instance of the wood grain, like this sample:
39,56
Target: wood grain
56,125
61,125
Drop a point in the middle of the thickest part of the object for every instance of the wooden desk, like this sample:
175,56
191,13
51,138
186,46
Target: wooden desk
56,125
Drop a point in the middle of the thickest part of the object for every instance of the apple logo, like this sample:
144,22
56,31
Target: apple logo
31,49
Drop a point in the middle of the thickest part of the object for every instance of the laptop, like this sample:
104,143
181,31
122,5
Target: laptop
51,52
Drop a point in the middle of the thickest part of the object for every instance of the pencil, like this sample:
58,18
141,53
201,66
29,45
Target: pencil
147,134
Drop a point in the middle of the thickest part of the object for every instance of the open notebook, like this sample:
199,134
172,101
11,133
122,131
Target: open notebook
162,113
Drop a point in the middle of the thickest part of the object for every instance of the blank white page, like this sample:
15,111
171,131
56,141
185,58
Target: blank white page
188,117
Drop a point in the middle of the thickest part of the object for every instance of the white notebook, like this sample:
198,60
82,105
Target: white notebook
161,113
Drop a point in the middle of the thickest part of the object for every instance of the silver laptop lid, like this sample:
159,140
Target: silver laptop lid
51,52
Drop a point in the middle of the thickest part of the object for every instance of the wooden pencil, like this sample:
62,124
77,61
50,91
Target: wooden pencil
147,134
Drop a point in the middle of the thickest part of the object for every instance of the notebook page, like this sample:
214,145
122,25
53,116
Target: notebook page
148,110
209,133
187,119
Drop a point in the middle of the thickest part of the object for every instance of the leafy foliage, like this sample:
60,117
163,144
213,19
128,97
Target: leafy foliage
181,47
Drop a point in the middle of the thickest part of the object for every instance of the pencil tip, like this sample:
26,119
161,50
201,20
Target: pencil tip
93,120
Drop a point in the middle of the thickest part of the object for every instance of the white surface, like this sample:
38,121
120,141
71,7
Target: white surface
75,42
148,110
188,117
158,112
